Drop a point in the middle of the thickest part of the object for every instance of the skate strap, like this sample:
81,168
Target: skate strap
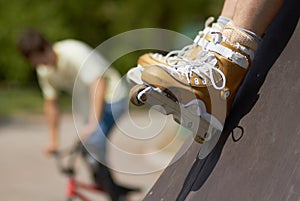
226,52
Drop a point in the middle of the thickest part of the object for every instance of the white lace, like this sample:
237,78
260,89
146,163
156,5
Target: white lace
204,67
172,56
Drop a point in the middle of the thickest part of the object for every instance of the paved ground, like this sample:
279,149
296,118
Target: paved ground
142,146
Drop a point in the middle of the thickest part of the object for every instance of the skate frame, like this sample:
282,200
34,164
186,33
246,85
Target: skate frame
192,116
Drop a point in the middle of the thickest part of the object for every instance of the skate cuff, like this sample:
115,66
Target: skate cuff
226,52
236,36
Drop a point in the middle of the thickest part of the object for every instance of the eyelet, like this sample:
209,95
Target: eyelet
225,93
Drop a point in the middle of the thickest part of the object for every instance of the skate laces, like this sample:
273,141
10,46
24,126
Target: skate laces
204,67
171,57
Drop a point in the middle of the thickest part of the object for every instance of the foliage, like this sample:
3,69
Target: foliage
16,101
92,21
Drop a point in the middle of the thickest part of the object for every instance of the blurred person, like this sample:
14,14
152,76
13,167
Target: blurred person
59,66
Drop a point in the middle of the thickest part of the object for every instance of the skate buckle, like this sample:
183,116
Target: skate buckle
217,37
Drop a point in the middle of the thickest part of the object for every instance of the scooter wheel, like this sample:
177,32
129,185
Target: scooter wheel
134,95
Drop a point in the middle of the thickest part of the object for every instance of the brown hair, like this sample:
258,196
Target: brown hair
31,41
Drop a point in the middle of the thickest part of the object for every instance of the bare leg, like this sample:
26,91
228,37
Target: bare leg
229,8
256,15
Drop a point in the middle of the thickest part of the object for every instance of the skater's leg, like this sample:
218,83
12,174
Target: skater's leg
228,9
250,20
256,15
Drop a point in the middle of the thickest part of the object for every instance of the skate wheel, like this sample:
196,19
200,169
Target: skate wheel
134,94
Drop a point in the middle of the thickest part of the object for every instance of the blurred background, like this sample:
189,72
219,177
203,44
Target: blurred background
93,21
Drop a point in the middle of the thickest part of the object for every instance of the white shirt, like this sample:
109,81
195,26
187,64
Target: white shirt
78,65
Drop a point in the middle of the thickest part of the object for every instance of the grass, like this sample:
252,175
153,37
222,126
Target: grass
18,101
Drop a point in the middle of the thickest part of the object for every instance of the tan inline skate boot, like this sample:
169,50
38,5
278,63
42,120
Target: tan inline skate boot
209,82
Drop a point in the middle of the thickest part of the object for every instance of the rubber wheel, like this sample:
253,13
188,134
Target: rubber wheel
134,93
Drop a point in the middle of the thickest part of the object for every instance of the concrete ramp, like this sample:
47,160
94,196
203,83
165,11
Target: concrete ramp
264,165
